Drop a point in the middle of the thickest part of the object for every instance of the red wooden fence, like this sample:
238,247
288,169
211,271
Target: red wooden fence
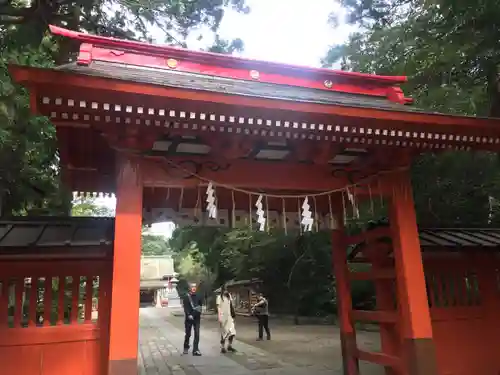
46,320
464,299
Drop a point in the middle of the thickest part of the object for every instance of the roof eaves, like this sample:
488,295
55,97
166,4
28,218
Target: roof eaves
21,233
230,86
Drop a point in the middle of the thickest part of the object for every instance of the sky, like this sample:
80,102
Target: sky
286,31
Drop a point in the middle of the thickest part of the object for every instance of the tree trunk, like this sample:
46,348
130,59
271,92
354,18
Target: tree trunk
493,89
296,315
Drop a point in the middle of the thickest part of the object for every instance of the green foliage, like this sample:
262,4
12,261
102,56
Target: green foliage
26,22
296,270
29,177
449,50
457,189
29,171
225,46
89,207
195,257
154,244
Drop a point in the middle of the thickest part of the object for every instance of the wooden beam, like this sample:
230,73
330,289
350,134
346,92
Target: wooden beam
373,275
369,236
229,147
375,316
250,174
12,337
52,267
379,358
424,121
361,260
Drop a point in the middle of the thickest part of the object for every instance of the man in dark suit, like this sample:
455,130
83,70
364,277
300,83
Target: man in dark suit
192,304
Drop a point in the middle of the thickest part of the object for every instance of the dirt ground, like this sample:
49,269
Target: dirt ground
302,345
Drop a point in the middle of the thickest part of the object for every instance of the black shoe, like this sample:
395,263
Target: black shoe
259,339
231,349
197,353
268,338
186,351
223,350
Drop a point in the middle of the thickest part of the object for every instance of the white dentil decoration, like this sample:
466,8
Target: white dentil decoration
260,214
211,207
307,220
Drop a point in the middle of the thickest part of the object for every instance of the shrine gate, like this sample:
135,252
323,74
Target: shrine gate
163,128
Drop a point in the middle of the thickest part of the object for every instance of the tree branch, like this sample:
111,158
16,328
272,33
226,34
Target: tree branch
11,21
181,44
297,261
10,11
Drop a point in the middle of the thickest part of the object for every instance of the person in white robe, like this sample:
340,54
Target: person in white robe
226,314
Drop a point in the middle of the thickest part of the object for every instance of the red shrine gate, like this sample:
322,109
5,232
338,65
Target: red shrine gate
155,125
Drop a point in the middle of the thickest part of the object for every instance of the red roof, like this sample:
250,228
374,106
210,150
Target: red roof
98,48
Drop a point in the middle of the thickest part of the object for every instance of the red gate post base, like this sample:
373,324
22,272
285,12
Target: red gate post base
123,367
420,356
349,348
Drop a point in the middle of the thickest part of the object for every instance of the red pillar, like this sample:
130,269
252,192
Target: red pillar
418,350
124,316
342,282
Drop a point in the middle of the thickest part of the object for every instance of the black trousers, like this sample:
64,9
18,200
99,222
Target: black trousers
192,324
263,325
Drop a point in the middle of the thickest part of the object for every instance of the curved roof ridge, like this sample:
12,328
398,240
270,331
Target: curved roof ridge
221,59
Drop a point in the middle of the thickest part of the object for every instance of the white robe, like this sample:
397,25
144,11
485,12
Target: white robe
226,321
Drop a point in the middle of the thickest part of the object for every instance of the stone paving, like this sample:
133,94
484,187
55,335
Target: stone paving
160,352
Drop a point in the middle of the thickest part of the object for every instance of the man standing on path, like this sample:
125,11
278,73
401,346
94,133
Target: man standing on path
261,311
192,304
226,313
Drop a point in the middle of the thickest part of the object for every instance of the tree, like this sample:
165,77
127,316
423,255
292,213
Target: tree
154,245
448,49
25,23
225,46
450,53
195,257
29,177
29,173
89,207
295,269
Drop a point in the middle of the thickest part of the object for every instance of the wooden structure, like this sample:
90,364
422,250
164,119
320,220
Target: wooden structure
53,273
157,279
461,277
155,125
244,293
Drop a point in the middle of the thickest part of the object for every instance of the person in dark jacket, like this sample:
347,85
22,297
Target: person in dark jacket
261,311
192,304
